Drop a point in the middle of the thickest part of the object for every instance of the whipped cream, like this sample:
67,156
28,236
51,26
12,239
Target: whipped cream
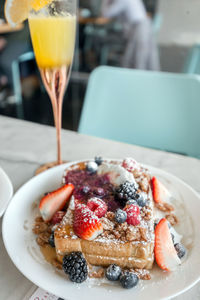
117,174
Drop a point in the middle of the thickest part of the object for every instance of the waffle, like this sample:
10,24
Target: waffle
126,245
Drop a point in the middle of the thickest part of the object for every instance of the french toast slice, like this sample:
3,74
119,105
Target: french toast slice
125,245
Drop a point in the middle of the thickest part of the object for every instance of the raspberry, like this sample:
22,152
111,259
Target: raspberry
57,217
130,164
98,206
133,214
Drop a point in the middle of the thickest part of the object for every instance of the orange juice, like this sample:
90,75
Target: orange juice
53,40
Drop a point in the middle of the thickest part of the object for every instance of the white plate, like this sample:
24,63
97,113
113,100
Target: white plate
6,191
25,254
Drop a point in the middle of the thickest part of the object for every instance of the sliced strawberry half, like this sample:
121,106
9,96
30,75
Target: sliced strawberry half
165,253
55,201
98,206
160,192
86,224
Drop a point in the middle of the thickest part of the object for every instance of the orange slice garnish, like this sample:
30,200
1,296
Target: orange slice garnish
38,4
16,11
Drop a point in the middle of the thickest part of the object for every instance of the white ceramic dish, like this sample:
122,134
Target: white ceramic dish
6,191
25,254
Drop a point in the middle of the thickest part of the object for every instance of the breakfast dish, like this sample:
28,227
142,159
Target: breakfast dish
109,219
35,262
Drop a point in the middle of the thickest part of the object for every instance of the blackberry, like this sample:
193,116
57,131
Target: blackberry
125,192
113,272
98,160
51,240
74,264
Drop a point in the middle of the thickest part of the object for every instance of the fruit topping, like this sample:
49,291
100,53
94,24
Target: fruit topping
98,160
165,253
51,240
75,265
113,272
133,214
128,280
173,237
57,217
98,206
125,192
98,191
130,164
86,224
141,199
131,201
55,201
120,216
84,189
180,249
160,193
91,167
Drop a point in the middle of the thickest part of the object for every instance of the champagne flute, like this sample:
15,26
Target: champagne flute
53,31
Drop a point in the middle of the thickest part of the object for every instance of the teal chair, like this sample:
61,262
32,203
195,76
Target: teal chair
192,63
17,81
151,109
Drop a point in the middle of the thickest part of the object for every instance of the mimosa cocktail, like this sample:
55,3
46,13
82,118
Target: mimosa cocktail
53,39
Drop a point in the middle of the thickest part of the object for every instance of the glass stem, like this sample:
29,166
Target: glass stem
55,81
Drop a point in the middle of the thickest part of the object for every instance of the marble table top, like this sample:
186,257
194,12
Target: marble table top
24,146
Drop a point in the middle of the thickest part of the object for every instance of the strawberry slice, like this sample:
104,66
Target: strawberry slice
160,193
98,206
165,253
55,201
87,225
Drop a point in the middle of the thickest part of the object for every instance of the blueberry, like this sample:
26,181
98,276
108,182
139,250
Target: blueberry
98,160
120,216
141,200
131,201
172,235
169,225
180,249
129,280
113,272
99,192
85,189
51,240
91,167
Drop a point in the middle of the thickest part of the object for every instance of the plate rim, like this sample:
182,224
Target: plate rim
63,166
11,190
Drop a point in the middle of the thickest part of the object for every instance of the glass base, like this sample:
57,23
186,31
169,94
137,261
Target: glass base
47,166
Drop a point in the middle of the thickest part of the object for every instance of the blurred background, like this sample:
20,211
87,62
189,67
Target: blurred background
158,35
